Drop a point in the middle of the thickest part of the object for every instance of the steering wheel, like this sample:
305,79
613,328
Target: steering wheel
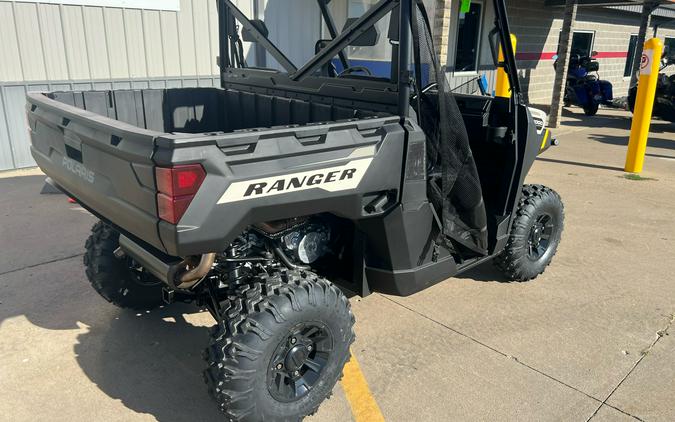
429,87
352,69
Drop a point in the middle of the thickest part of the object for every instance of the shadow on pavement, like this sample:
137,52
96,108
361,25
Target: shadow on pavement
653,142
486,272
577,163
151,363
36,228
611,119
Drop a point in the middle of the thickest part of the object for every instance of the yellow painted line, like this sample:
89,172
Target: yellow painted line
543,142
361,400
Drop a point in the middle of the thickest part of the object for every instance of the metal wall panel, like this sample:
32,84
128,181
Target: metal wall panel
135,43
157,84
30,46
10,65
97,47
75,42
61,87
82,86
152,33
170,44
6,156
132,4
200,19
17,125
53,46
43,41
117,46
213,36
186,39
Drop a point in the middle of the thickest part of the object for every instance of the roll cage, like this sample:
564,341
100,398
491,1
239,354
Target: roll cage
402,75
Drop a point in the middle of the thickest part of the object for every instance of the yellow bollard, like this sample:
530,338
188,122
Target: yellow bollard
503,87
644,104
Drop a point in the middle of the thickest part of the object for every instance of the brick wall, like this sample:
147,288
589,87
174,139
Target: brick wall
538,27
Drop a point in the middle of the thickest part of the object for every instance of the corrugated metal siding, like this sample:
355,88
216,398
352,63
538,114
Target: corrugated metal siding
67,42
62,47
666,11
10,66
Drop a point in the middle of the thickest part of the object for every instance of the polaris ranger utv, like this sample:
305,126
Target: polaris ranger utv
268,198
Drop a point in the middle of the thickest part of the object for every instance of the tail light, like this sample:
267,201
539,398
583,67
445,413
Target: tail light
177,187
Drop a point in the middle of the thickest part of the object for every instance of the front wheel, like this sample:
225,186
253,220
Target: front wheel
535,234
120,281
591,109
279,348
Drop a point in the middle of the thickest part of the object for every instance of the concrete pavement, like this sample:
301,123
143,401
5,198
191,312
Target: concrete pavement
591,339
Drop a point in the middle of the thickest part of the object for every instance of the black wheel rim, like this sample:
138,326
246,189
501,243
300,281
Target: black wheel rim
299,361
539,239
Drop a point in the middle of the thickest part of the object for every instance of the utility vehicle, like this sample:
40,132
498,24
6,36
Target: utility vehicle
664,98
584,89
269,199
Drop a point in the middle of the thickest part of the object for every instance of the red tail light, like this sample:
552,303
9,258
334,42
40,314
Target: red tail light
177,187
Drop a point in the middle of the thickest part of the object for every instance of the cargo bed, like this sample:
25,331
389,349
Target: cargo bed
102,147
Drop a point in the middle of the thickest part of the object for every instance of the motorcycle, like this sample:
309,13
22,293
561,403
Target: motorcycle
584,89
664,99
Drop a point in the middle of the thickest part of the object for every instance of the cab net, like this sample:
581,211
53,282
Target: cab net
454,186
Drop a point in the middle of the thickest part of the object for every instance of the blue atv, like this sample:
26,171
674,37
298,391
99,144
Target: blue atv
584,89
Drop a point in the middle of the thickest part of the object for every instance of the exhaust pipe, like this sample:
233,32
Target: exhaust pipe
177,275
190,277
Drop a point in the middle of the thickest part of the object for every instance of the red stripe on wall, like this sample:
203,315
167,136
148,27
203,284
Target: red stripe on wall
535,56
612,55
549,55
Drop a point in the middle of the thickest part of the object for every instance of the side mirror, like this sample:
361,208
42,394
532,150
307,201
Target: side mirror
594,54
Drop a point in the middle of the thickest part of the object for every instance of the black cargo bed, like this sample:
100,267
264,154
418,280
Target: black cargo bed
101,146
203,110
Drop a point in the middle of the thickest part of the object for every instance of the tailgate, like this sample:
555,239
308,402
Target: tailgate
104,163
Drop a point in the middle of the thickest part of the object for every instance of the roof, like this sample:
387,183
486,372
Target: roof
666,8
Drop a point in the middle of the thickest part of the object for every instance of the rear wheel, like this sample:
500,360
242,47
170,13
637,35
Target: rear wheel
535,234
280,347
120,281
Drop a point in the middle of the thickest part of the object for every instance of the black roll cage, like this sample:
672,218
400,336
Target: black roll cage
401,75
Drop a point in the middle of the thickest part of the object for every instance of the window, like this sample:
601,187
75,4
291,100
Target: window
468,39
632,44
582,43
381,52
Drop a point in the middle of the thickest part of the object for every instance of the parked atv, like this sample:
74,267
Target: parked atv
584,89
664,99
268,198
